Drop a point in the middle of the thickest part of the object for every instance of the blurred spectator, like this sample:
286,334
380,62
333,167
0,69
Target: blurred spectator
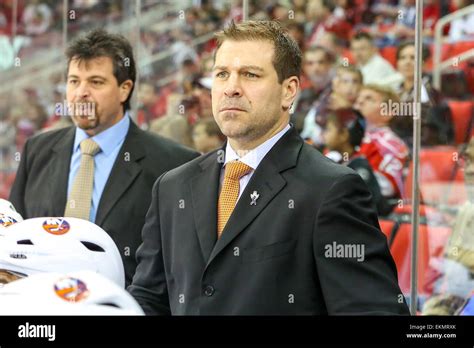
375,69
148,104
346,86
321,14
202,91
348,11
188,73
343,135
173,125
462,28
401,19
385,151
318,68
343,93
278,12
296,30
437,124
335,45
181,49
37,17
431,13
207,136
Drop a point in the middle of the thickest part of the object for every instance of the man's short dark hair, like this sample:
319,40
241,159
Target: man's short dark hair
100,43
362,35
349,119
328,55
425,51
287,56
351,69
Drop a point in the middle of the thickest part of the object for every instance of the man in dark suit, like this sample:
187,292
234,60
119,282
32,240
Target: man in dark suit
111,186
268,226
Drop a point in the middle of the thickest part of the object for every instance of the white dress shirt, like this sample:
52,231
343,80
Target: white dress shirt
251,158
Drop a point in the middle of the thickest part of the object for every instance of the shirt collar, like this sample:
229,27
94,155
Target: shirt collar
255,156
107,140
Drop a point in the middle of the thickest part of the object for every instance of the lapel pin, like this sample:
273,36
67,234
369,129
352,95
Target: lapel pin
254,196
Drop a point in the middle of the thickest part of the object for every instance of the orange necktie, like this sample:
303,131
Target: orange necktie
230,192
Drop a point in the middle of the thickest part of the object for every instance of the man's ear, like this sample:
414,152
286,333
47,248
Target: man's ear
125,89
290,88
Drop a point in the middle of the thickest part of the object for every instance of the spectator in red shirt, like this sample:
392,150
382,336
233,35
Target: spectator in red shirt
385,151
343,136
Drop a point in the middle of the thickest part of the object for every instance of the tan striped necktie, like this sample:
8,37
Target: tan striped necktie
80,198
230,192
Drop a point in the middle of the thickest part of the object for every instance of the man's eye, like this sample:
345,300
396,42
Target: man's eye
72,82
251,75
221,74
97,82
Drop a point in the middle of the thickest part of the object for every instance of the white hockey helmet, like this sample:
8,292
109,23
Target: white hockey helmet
8,214
73,293
60,245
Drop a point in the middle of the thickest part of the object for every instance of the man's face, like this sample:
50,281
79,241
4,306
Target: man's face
248,102
406,62
333,137
369,104
92,85
146,94
316,11
347,85
362,50
317,67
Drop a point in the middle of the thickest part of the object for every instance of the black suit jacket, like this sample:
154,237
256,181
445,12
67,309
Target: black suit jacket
272,257
40,187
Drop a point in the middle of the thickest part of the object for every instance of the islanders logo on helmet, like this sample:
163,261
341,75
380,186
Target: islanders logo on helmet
6,220
71,289
56,226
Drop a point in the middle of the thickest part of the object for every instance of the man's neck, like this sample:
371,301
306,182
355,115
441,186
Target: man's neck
243,145
369,59
408,84
371,126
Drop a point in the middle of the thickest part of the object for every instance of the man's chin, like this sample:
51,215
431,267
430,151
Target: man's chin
234,131
85,122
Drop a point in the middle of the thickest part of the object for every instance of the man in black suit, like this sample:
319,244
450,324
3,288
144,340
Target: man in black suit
303,238
116,193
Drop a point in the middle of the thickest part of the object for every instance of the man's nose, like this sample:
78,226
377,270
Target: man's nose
82,91
233,87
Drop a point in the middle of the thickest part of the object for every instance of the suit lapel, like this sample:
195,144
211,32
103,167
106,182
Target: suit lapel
267,181
204,191
59,173
126,168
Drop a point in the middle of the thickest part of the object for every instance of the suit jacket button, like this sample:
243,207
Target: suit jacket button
209,290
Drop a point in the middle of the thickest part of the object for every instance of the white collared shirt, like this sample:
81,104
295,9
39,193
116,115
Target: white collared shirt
251,158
